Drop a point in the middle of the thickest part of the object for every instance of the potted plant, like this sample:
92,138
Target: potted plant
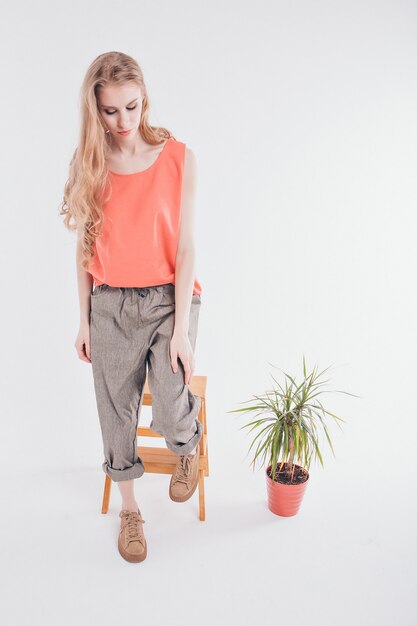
288,431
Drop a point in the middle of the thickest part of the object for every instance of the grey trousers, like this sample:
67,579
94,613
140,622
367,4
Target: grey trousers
130,332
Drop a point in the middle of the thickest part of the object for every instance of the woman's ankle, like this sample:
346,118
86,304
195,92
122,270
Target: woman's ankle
130,507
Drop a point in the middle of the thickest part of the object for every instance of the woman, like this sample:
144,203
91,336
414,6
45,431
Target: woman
130,192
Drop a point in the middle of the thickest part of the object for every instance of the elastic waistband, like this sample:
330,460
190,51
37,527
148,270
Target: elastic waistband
142,291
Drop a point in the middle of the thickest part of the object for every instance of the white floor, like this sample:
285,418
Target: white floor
348,557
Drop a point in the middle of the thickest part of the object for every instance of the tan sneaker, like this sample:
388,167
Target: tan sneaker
132,542
185,480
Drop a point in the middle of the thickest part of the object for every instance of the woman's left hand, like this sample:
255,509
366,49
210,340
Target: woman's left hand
180,347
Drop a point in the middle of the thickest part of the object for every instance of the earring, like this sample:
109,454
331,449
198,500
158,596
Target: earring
107,131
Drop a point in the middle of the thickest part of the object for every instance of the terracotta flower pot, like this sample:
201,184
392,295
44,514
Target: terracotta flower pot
284,499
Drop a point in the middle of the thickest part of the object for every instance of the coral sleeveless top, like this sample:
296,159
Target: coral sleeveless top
138,243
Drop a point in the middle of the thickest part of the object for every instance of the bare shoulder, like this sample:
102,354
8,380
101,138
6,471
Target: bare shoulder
190,166
189,154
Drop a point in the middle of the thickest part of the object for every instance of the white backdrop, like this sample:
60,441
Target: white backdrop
302,117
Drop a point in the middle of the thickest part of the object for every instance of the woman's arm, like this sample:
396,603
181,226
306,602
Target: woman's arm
180,346
185,259
85,282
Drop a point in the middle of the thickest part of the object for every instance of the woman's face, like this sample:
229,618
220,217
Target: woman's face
121,108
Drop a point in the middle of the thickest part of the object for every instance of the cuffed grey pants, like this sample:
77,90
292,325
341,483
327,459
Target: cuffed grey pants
130,332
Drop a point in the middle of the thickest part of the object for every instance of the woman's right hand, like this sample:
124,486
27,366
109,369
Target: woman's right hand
82,343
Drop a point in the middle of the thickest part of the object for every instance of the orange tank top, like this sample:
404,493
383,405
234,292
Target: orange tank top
138,243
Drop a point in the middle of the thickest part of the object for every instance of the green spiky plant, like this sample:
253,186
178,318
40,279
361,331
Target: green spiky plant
289,426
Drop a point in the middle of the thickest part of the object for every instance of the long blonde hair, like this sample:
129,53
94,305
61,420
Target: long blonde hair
84,191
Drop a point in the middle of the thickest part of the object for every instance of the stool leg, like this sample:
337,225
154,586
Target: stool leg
106,495
207,459
201,502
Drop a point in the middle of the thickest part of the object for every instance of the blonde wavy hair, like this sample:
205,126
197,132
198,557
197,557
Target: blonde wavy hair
84,191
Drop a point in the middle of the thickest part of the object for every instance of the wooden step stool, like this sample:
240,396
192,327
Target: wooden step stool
164,461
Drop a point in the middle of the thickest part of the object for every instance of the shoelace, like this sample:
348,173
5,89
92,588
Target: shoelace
134,533
184,469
